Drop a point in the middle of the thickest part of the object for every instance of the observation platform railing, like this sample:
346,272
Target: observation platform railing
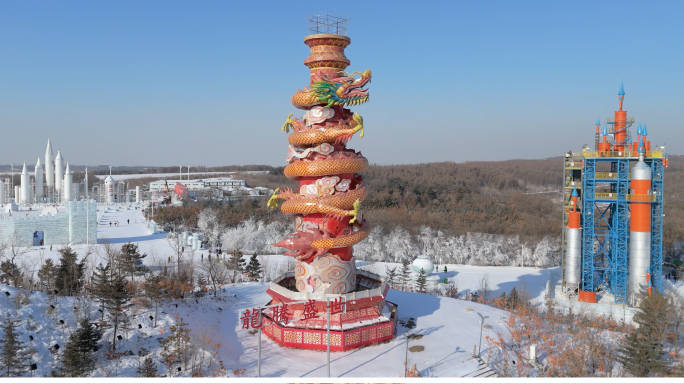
657,154
640,198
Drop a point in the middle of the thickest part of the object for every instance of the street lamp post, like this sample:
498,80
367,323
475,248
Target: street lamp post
414,336
259,348
482,319
327,305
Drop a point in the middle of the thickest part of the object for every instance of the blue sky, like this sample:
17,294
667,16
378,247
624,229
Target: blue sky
209,83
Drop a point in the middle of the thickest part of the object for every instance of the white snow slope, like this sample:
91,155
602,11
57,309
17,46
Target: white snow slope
450,328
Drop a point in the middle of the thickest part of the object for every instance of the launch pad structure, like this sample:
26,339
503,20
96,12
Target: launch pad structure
613,215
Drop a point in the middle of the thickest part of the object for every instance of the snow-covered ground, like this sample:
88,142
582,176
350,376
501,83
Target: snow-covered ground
450,327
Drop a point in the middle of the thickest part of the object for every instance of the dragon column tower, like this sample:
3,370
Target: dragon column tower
326,206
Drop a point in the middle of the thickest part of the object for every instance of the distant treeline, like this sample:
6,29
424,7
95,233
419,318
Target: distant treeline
513,198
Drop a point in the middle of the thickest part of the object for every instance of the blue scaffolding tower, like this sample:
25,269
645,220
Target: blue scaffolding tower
605,222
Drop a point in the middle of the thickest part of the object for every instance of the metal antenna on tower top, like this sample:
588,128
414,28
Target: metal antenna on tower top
327,24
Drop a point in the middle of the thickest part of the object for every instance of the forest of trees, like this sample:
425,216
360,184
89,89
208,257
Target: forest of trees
119,284
517,202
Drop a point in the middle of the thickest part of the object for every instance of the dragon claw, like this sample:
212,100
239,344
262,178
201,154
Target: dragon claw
359,124
273,200
354,213
288,124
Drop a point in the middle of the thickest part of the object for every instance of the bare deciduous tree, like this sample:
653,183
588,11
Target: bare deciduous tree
216,271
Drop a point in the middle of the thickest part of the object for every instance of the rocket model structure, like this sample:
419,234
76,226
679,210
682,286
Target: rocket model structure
59,170
640,227
613,227
109,189
38,176
68,185
25,187
573,266
49,167
620,130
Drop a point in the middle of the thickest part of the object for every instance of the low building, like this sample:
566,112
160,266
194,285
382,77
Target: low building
197,185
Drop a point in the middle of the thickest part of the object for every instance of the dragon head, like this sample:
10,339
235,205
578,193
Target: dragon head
344,90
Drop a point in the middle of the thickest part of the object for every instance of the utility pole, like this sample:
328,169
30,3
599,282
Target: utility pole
259,347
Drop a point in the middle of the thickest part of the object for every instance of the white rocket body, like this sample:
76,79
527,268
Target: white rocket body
59,170
25,187
38,175
109,190
49,167
68,185
639,240
2,192
573,256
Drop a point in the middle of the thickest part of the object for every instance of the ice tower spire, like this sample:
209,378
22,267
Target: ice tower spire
49,166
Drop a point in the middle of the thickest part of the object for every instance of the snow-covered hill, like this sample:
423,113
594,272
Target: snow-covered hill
450,327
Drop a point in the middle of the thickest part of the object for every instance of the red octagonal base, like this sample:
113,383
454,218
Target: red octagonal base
368,319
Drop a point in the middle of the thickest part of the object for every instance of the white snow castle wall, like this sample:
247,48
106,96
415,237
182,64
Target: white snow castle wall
69,227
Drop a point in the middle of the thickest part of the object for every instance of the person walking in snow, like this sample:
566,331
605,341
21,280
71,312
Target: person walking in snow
129,221
445,269
110,223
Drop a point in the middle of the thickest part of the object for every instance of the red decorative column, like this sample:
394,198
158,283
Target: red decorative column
326,207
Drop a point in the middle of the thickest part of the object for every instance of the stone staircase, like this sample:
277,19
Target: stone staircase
483,371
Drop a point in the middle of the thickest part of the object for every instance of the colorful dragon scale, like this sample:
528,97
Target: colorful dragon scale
329,92
328,219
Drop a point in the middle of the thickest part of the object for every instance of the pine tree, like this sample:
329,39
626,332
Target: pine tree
77,358
391,274
654,315
405,273
10,273
236,263
100,285
421,282
132,260
642,350
253,269
46,274
13,356
513,299
641,355
115,300
148,369
69,277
